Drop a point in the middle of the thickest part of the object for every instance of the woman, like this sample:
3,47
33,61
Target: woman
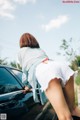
55,79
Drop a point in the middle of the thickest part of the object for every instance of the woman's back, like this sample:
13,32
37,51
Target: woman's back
28,56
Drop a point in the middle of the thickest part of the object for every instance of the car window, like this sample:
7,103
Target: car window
8,82
18,74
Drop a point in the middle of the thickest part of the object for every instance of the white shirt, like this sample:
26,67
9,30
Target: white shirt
28,56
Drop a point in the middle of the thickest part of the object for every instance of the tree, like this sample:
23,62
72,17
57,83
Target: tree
77,80
15,64
67,50
75,64
3,61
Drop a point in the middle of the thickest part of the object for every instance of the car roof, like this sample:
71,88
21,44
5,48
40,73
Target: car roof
9,67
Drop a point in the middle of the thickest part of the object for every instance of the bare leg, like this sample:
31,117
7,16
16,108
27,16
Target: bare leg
56,97
70,96
69,93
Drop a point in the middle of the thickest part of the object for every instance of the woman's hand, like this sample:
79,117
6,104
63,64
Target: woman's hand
26,89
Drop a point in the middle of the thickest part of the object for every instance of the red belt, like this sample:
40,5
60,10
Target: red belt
45,59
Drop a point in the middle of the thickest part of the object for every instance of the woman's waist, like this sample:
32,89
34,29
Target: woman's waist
35,62
45,60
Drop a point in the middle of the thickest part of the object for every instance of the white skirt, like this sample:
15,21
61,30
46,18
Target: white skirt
45,72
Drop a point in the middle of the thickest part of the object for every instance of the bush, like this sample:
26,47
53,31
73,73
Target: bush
77,79
76,97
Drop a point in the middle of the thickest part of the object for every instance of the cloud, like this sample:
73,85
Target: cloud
24,1
8,6
55,23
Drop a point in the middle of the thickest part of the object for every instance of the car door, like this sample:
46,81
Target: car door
11,96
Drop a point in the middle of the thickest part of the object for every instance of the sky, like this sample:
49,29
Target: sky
50,21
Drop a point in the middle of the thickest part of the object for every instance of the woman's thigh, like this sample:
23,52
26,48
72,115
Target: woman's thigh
56,97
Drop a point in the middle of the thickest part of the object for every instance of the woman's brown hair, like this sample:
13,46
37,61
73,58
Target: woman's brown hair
28,40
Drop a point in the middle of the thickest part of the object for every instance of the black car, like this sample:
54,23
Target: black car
14,102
